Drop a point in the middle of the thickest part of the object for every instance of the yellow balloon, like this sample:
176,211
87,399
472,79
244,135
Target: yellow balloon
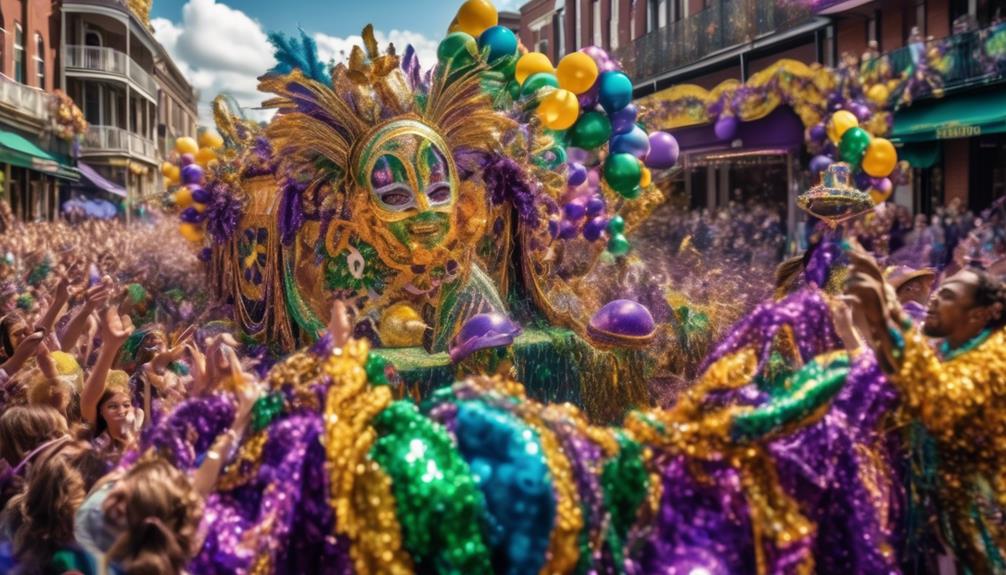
841,121
576,72
210,139
879,197
878,94
166,168
186,145
559,109
204,156
199,207
530,64
880,158
183,197
645,178
191,232
175,173
168,182
477,16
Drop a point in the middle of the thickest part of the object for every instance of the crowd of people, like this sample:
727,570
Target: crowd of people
106,328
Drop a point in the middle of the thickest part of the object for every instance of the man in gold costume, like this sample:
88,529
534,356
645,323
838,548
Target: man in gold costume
957,391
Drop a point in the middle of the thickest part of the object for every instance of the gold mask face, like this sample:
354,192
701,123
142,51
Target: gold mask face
412,187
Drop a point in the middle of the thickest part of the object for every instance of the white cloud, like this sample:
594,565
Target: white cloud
510,5
221,49
336,48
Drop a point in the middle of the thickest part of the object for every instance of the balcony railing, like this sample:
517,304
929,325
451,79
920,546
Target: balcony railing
110,61
958,61
24,99
722,25
112,139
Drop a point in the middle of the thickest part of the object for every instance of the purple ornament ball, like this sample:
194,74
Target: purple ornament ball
726,127
595,205
818,133
576,174
663,151
567,230
593,229
574,211
192,174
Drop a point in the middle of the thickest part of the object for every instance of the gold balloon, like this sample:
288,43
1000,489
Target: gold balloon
559,109
186,145
880,158
166,168
530,64
476,16
183,197
840,122
174,174
878,196
204,156
191,232
646,178
878,94
210,139
576,72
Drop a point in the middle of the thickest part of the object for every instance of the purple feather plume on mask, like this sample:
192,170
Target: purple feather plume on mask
506,180
223,214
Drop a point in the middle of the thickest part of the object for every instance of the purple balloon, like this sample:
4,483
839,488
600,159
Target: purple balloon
861,111
624,120
818,133
726,127
663,151
576,174
593,229
595,205
863,180
884,186
820,163
588,99
186,160
200,195
634,142
574,211
577,155
192,216
192,174
567,230
598,54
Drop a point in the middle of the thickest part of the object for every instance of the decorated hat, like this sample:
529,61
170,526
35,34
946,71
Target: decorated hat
835,200
483,331
622,323
898,276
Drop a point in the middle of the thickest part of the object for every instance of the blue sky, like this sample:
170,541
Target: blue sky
221,45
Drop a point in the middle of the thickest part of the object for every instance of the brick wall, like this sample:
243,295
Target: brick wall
806,53
34,16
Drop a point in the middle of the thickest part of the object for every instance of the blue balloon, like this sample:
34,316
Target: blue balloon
635,142
624,120
501,42
615,91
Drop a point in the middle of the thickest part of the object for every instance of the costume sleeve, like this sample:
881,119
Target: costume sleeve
944,394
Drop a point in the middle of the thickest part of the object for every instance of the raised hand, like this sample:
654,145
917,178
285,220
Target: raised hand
339,325
115,328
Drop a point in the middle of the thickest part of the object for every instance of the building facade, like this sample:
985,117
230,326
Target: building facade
667,43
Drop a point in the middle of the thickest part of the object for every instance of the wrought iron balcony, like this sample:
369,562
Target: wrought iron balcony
111,139
959,61
109,61
722,25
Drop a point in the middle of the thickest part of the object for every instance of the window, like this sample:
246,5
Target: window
578,39
40,60
662,13
632,20
677,10
542,46
652,11
92,103
596,24
19,71
613,25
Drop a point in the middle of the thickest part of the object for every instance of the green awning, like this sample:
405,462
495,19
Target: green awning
18,151
921,154
955,117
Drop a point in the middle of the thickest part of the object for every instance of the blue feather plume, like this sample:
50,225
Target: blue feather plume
301,54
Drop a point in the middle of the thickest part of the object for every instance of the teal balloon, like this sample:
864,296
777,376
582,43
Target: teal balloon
614,91
500,42
853,146
555,156
622,172
457,48
618,245
536,82
616,225
591,130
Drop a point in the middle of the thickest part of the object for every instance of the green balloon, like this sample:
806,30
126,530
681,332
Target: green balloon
514,90
616,225
536,82
458,48
506,65
622,172
555,156
591,130
853,146
632,194
618,245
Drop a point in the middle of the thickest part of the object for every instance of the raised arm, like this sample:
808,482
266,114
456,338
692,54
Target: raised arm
115,329
94,297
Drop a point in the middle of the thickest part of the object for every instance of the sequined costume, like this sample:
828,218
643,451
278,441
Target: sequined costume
960,399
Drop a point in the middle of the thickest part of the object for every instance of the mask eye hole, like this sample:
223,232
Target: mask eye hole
439,193
396,196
